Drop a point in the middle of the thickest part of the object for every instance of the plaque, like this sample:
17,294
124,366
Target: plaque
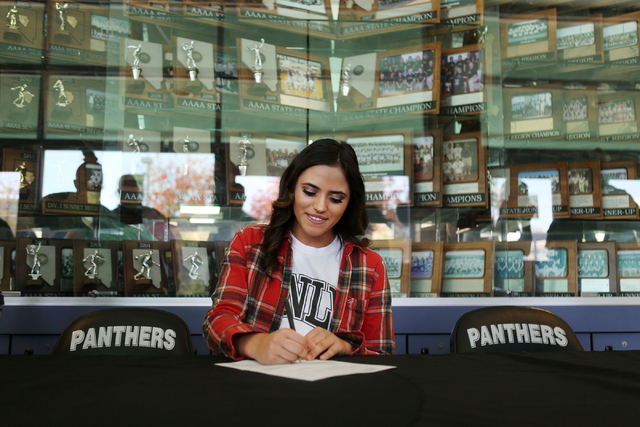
95,267
281,80
585,192
146,268
580,114
364,17
529,38
20,98
22,32
579,43
210,12
203,75
189,140
386,160
396,254
464,165
76,106
84,33
426,269
555,269
628,256
27,163
44,267
513,269
462,83
7,265
597,269
163,10
398,81
195,266
618,182
618,116
461,12
620,41
538,190
254,165
467,269
427,163
533,112
139,141
142,85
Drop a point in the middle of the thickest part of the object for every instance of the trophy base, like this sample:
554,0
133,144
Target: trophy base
62,37
142,285
18,112
345,102
35,282
61,112
12,36
193,87
24,194
258,89
136,87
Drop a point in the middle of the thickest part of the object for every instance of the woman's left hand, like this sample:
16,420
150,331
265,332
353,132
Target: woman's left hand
326,345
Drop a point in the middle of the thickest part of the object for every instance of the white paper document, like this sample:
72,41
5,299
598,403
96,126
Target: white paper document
307,371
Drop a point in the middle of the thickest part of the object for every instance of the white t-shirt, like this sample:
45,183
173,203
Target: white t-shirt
315,273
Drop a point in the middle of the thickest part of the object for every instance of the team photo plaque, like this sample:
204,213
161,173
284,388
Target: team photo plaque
628,256
618,116
513,269
533,112
461,12
464,165
529,38
462,83
620,40
426,269
580,114
617,181
427,176
537,190
597,269
585,192
396,254
556,269
579,42
467,269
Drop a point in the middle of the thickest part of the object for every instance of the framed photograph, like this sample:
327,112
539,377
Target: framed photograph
142,85
27,163
392,82
579,42
580,114
290,82
585,192
427,178
467,269
538,186
83,33
20,98
426,269
8,265
22,35
396,254
597,269
462,83
620,40
556,270
202,74
513,269
44,267
533,112
255,163
617,179
464,166
95,267
530,37
195,266
356,16
628,256
461,12
147,268
618,115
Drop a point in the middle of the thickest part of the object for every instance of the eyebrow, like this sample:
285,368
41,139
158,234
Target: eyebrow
331,191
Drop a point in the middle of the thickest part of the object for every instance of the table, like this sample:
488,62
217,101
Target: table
538,389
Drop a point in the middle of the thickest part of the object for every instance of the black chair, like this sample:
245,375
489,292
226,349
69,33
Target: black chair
511,329
126,331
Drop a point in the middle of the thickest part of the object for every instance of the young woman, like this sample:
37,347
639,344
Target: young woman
312,259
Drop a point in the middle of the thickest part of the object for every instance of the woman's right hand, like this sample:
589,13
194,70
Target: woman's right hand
279,347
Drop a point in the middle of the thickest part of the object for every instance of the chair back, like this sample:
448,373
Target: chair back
126,331
511,329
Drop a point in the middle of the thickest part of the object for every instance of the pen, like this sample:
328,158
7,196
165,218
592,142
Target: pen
289,313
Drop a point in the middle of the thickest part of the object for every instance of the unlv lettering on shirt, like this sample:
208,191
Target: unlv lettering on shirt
312,300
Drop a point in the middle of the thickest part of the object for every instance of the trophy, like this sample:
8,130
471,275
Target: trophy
63,101
196,262
94,259
62,34
243,145
258,88
38,260
23,99
145,269
344,100
189,146
137,146
13,16
191,64
137,86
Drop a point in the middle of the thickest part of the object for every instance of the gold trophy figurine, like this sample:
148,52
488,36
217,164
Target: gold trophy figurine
23,96
13,33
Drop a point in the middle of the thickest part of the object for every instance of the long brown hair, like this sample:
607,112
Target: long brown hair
354,221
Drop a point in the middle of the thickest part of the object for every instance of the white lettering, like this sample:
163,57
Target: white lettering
145,334
547,335
76,338
156,338
90,339
118,330
497,334
474,336
169,339
131,336
534,330
104,336
485,336
561,336
509,327
522,332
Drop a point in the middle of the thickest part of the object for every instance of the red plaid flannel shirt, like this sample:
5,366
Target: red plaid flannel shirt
247,300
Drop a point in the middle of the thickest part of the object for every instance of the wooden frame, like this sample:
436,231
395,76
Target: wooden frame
7,263
20,98
619,116
477,286
471,190
101,280
524,204
598,282
426,283
524,120
52,281
267,157
159,282
585,196
508,281
25,42
14,159
208,264
376,94
523,48
616,202
396,254
628,254
549,284
461,12
580,114
617,51
427,190
460,92
587,51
